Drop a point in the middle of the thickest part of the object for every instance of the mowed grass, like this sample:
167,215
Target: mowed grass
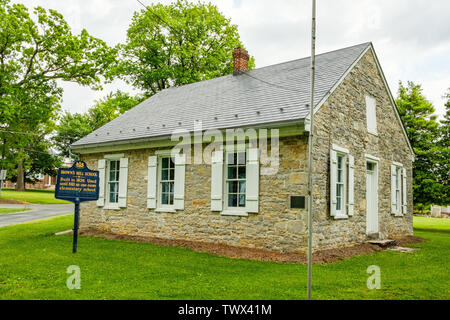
32,196
10,210
33,265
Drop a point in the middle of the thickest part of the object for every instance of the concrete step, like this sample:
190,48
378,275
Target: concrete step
404,250
383,243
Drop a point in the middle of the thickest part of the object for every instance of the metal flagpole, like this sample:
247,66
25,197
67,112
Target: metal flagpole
311,130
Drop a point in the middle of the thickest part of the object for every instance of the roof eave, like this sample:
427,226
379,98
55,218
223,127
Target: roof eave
93,146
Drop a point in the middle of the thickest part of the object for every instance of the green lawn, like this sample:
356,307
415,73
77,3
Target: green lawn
9,210
33,196
33,265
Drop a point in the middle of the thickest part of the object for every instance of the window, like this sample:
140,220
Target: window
167,181
113,181
236,179
398,189
341,183
371,113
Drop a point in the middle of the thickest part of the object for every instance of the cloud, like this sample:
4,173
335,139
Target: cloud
411,37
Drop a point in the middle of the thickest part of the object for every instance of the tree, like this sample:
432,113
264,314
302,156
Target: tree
423,131
73,127
35,52
175,45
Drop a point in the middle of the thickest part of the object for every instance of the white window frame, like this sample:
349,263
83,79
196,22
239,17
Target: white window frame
227,209
160,206
343,213
398,188
111,205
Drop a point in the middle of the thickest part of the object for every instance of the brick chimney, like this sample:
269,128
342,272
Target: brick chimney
240,60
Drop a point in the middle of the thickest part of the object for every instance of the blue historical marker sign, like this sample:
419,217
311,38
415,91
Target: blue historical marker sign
77,184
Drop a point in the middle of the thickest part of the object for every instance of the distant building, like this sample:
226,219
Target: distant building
44,181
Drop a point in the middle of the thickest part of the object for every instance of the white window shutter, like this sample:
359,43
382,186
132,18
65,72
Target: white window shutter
371,112
151,182
351,185
101,182
405,194
123,182
393,193
180,171
333,179
217,181
252,185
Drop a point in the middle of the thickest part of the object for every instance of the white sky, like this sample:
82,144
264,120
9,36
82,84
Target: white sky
411,37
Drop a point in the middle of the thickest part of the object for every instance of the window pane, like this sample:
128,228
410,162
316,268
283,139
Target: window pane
242,187
165,198
171,199
112,176
340,162
241,171
233,187
172,186
232,172
113,187
165,187
165,163
242,200
232,200
171,163
112,198
231,158
172,174
338,190
165,174
339,177
112,165
241,158
338,204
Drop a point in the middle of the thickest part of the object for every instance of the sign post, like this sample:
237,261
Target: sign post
77,184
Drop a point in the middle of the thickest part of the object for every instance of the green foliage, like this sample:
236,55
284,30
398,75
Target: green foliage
177,44
36,50
112,269
431,164
73,127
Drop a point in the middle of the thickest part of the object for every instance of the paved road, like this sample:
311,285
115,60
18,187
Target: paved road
38,211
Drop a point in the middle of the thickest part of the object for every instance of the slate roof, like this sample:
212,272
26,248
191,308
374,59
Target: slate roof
252,98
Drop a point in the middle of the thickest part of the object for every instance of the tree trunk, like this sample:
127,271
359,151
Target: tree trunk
20,185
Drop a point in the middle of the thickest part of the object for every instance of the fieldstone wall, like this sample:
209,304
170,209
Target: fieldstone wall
341,120
275,227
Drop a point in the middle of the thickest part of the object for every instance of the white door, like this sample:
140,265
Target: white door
372,198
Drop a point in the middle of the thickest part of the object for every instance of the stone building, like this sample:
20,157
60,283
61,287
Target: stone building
161,175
